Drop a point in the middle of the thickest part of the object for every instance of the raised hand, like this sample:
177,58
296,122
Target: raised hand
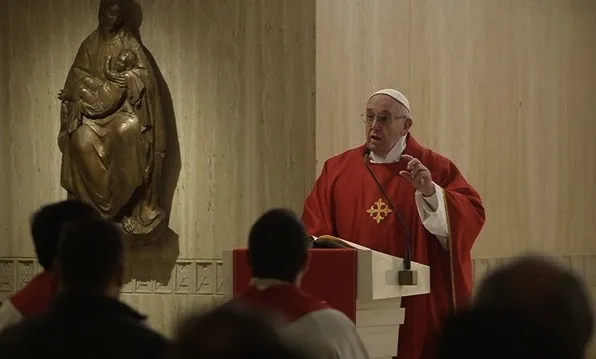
419,176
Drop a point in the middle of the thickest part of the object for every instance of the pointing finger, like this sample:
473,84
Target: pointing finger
407,157
406,175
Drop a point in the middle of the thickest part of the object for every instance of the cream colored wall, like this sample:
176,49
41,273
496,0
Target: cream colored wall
505,88
241,76
5,212
508,97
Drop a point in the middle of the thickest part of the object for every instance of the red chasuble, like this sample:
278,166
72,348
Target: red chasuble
36,296
287,301
345,202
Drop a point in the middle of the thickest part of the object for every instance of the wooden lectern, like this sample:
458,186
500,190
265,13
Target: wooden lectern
358,281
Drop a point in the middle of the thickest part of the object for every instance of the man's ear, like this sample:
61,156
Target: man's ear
407,125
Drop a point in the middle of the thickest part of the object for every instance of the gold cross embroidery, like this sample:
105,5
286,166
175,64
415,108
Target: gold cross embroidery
379,211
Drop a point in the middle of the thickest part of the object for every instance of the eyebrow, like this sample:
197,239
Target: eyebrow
383,112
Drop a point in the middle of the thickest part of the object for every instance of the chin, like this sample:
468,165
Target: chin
372,147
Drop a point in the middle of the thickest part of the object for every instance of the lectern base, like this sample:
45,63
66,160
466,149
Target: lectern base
377,324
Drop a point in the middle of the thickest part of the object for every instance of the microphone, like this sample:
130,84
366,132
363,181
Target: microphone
405,276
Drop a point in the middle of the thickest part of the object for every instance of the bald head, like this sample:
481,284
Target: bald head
551,295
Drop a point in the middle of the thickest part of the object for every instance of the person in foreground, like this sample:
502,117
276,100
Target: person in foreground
86,320
35,297
278,256
442,214
530,308
231,333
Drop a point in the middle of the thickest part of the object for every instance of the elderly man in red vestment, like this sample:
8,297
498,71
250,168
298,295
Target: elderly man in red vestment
440,212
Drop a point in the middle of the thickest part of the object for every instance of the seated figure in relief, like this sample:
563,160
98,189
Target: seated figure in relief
113,127
99,98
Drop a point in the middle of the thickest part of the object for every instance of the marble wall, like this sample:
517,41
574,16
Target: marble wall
242,80
5,212
502,87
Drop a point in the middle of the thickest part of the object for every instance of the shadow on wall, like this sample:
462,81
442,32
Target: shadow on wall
158,261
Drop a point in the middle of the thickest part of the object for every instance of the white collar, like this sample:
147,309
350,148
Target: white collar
394,155
264,283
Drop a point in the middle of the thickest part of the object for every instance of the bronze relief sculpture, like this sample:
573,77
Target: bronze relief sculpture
112,128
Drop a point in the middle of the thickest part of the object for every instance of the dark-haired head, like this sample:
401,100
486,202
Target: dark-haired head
542,289
47,223
278,246
91,257
231,332
498,333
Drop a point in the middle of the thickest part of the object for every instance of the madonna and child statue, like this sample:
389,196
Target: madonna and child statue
112,129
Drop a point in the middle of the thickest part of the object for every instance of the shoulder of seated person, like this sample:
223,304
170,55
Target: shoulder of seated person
332,316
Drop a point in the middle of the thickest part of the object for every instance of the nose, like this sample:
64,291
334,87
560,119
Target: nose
376,125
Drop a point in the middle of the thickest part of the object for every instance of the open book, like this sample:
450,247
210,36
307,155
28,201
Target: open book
327,241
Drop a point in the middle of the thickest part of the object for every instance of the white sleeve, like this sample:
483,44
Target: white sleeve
327,334
9,315
432,213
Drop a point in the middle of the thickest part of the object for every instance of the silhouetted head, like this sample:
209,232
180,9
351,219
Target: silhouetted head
231,332
91,257
278,246
500,334
47,223
551,295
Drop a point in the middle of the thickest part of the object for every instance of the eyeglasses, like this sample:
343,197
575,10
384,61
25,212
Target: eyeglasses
369,119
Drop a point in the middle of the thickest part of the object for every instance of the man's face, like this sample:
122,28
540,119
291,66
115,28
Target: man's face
385,123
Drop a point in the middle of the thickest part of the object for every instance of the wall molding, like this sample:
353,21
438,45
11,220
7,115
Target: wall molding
206,276
188,276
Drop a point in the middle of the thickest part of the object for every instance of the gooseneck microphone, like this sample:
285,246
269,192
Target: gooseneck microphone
405,276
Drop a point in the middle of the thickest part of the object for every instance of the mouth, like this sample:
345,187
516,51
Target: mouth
375,138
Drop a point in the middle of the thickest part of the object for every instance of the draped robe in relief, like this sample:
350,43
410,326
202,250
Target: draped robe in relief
114,160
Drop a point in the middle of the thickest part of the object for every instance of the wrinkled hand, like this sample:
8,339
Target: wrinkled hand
111,75
419,176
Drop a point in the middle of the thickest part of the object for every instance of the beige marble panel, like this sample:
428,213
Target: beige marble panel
502,87
362,45
5,211
43,37
166,312
245,145
241,75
